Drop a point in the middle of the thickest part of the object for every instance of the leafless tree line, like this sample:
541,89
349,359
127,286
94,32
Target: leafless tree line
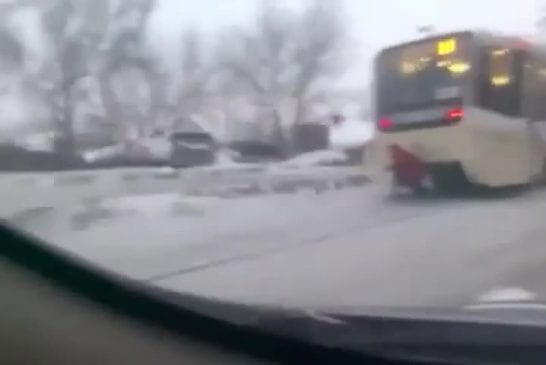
275,69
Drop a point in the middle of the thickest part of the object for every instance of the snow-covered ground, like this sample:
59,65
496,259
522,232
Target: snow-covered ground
315,158
155,147
37,141
159,147
102,153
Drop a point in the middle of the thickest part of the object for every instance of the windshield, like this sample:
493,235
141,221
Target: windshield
236,149
423,74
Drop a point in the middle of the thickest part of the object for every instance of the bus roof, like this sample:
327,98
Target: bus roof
483,36
425,39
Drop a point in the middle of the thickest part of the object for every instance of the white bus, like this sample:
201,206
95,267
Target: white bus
462,108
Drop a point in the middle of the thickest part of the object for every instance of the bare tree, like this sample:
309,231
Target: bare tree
125,52
11,50
194,75
288,54
89,39
287,59
277,67
12,55
74,31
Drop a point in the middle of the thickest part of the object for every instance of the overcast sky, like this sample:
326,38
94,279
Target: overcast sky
373,24
378,22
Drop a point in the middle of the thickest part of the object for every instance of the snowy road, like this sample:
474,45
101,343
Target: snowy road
352,246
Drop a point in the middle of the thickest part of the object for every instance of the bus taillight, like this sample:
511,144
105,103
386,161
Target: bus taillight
454,114
385,124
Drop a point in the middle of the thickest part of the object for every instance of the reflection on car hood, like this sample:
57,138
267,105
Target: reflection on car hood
287,319
454,335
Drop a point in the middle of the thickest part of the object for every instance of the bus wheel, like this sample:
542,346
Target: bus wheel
450,179
541,181
419,191
398,189
395,189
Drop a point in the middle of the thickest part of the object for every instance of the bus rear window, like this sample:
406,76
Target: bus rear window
500,81
422,74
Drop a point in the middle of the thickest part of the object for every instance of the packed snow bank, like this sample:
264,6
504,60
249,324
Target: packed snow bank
158,147
351,134
102,153
150,148
316,158
37,142
226,158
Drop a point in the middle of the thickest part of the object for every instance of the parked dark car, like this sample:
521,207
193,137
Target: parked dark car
192,149
311,137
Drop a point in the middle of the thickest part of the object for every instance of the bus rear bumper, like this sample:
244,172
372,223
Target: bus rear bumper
486,154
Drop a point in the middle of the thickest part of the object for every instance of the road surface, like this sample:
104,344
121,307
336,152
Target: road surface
350,247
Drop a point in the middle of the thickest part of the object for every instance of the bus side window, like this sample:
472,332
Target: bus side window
531,90
540,92
500,81
534,89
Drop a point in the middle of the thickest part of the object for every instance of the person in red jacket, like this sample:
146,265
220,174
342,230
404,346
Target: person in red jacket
407,168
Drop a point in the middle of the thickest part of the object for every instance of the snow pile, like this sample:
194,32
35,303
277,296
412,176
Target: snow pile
159,147
147,147
311,159
351,134
226,157
102,153
38,142
316,158
226,161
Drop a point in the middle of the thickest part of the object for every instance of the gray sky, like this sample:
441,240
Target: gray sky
378,22
372,24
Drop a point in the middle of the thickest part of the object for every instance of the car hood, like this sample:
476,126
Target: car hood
524,313
422,334
282,251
